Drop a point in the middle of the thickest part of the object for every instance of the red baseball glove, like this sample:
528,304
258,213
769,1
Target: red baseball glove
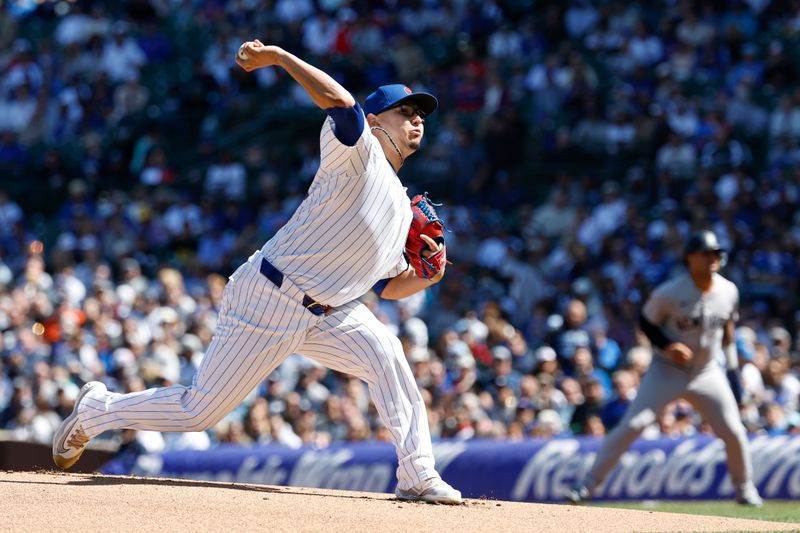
427,262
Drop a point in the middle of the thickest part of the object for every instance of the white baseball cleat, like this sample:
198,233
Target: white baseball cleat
749,496
70,440
578,494
433,490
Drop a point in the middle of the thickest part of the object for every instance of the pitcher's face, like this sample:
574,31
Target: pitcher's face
406,124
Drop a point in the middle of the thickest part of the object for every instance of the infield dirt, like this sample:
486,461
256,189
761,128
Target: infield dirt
51,501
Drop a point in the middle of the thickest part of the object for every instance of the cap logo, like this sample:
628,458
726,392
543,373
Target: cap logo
407,90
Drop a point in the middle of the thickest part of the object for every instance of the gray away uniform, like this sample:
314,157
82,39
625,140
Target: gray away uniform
685,315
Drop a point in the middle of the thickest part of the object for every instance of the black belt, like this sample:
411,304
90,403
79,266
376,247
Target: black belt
276,277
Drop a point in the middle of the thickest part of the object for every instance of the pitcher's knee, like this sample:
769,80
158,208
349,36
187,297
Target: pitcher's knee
387,360
387,353
200,421
200,411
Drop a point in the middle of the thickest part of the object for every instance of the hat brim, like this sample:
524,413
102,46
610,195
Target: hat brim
426,102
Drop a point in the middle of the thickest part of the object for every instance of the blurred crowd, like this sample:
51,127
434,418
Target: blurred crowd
576,146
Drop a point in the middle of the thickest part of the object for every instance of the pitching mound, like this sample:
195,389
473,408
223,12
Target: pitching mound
49,501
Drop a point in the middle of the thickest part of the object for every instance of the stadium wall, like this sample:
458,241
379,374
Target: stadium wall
531,470
21,455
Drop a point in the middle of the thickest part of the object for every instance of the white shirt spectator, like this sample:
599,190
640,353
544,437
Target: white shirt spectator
169,363
71,286
179,216
216,59
554,218
785,120
76,27
605,219
16,114
492,252
226,178
43,426
729,186
752,381
129,98
283,433
580,18
417,330
789,392
319,34
645,49
547,75
620,134
694,32
527,286
122,58
188,440
505,42
289,11
604,40
151,441
683,120
678,157
682,64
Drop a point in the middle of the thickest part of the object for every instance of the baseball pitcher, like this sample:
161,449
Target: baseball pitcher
688,320
300,292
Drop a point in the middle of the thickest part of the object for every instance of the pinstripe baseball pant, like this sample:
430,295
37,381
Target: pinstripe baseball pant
259,326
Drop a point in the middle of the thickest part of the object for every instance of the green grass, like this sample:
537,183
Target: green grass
776,511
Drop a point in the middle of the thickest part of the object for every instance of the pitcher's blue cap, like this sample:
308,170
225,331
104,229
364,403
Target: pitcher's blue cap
388,96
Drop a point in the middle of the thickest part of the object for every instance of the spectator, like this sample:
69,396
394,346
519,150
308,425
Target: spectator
10,213
785,119
607,94
591,406
122,57
624,391
226,177
130,97
677,157
556,218
572,335
774,419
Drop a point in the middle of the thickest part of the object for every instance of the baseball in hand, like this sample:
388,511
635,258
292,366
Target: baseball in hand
242,54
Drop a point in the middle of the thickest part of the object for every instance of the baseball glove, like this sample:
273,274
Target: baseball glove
425,222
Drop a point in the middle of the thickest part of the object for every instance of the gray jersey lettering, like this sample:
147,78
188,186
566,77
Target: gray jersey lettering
693,318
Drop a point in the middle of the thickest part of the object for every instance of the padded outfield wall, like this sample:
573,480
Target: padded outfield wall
531,470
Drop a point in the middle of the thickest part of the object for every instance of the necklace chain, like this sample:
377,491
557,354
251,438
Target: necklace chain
402,159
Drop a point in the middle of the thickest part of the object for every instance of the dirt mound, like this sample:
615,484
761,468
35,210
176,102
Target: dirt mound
50,501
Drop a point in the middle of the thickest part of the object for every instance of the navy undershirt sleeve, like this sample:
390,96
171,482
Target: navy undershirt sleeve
656,334
380,286
348,123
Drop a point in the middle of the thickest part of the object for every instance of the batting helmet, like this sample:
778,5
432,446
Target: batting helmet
704,241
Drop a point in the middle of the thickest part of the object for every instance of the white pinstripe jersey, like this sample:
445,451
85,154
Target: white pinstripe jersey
693,318
350,230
